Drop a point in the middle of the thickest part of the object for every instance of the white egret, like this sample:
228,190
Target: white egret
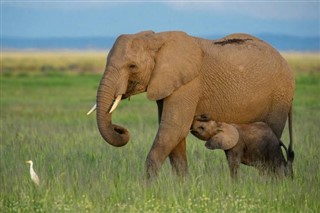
34,176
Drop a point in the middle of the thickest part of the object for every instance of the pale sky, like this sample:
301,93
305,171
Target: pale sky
39,19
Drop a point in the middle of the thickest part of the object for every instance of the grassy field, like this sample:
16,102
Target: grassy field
44,100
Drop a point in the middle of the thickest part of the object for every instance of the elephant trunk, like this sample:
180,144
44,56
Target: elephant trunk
106,95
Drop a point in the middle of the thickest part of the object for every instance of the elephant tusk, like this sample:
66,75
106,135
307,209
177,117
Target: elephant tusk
115,103
92,109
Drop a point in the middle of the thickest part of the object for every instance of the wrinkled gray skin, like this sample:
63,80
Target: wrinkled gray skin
236,79
251,144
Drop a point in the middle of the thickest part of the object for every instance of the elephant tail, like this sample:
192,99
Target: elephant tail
285,148
290,152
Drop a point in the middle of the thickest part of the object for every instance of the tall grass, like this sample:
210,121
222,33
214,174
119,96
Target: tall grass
43,119
28,63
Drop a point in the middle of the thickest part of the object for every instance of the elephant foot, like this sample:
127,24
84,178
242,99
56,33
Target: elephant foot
178,160
152,170
179,169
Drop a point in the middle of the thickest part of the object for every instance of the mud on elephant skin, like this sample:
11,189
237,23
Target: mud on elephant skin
251,144
189,76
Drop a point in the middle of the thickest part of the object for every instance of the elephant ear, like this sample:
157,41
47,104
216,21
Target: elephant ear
226,138
177,62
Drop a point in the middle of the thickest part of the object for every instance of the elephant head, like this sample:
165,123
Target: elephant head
226,137
156,63
218,135
203,128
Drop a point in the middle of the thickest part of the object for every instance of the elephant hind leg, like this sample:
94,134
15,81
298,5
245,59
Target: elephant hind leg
178,159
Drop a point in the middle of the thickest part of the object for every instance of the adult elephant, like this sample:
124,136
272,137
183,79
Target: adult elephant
237,79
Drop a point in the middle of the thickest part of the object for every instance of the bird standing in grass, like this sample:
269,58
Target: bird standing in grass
34,176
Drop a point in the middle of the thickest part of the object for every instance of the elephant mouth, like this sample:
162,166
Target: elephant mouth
134,87
195,133
198,135
126,96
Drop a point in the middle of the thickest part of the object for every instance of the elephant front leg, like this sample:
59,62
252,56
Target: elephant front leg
176,117
170,141
178,159
233,163
178,156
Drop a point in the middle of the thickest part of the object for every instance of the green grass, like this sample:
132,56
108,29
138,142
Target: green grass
43,118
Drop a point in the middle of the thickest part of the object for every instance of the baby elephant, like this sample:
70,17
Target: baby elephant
251,144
